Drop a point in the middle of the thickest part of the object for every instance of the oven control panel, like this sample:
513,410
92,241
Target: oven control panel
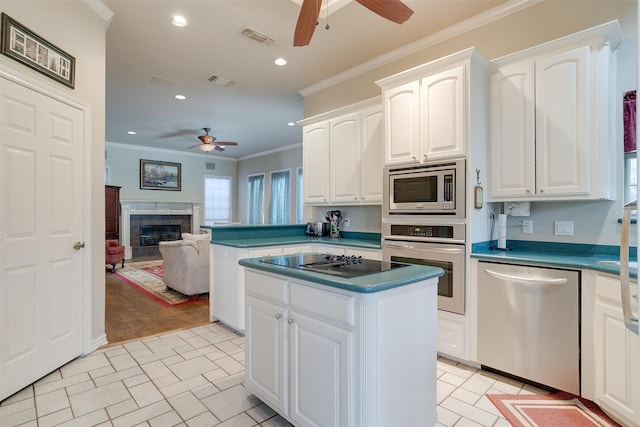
444,231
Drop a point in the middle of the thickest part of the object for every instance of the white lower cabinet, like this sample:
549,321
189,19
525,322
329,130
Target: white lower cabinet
321,356
616,358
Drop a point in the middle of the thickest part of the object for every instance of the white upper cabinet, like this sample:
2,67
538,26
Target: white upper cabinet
552,135
315,162
427,109
342,155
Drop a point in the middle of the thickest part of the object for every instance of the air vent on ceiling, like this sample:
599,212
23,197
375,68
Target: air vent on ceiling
257,36
221,81
210,166
163,81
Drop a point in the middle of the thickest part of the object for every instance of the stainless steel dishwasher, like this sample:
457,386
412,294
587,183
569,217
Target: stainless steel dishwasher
529,323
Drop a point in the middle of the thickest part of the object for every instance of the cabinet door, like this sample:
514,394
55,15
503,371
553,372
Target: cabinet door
321,372
266,352
315,163
563,123
617,353
401,124
371,158
442,114
512,167
345,159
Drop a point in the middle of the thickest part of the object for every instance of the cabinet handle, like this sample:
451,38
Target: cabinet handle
279,315
291,321
542,190
413,157
424,156
528,191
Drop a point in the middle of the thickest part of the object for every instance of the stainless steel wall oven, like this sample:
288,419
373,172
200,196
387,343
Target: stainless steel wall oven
432,244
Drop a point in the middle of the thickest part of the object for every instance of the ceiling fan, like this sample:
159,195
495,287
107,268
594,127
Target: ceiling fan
209,143
393,10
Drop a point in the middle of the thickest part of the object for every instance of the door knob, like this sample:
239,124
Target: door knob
78,245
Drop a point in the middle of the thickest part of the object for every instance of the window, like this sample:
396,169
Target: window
299,202
107,175
280,198
255,199
630,177
217,200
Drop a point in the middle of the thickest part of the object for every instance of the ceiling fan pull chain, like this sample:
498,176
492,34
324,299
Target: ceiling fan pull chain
326,27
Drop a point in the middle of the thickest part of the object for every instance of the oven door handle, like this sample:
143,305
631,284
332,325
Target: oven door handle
526,280
435,251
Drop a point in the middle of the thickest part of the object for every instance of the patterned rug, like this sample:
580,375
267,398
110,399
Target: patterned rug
557,409
146,278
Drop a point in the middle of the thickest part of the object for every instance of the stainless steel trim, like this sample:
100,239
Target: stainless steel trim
630,321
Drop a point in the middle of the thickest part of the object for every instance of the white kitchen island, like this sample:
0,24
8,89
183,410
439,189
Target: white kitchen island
331,351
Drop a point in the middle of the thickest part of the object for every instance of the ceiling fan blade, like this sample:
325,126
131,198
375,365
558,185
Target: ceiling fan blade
219,148
306,22
393,10
193,146
226,143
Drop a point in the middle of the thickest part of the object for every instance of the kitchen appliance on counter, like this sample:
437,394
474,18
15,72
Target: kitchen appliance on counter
318,229
335,265
529,323
439,245
436,188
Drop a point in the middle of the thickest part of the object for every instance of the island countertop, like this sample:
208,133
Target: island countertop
369,283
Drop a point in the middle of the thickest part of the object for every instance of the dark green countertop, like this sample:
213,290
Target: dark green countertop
571,256
370,283
255,236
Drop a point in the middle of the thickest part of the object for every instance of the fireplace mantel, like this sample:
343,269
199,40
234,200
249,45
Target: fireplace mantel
147,207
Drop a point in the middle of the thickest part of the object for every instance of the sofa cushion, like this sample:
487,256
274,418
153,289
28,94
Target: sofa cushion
189,236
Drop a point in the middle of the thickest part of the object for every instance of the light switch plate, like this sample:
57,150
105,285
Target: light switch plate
563,228
527,226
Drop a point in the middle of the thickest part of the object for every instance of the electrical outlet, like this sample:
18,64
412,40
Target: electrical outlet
346,223
527,226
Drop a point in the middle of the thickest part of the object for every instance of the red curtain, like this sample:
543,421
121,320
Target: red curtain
629,115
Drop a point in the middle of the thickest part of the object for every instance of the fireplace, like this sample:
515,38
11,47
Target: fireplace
151,235
148,230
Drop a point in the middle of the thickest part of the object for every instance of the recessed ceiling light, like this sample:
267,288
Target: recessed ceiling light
131,132
178,21
291,124
180,97
280,61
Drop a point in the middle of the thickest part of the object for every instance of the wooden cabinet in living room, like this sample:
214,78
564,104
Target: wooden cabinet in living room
551,126
342,155
428,109
112,212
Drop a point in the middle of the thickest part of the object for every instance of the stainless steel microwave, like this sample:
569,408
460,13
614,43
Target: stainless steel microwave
436,189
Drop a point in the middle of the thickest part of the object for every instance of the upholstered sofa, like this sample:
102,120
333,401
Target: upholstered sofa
186,264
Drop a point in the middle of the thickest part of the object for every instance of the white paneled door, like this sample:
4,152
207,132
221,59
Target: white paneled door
41,219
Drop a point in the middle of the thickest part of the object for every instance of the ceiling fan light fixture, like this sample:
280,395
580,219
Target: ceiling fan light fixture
207,147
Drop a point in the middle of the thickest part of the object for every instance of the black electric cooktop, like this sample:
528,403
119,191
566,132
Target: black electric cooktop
335,265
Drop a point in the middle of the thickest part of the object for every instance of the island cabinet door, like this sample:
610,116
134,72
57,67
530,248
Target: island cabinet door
266,352
321,372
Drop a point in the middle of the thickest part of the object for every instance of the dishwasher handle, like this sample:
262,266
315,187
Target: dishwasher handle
526,280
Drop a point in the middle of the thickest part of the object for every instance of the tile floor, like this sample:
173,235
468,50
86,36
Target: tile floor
195,378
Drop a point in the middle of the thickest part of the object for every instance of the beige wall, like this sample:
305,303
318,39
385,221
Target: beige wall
594,222
537,24
76,28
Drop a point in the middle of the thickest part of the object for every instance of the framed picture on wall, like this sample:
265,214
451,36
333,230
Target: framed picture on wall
155,175
19,43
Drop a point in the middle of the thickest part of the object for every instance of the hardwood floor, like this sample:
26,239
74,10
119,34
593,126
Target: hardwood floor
129,315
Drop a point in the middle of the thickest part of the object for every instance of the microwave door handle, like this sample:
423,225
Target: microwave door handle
630,321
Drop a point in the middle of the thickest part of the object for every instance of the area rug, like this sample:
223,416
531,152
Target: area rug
146,278
557,409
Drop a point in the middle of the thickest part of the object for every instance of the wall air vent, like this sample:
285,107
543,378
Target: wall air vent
257,36
163,81
221,81
210,166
